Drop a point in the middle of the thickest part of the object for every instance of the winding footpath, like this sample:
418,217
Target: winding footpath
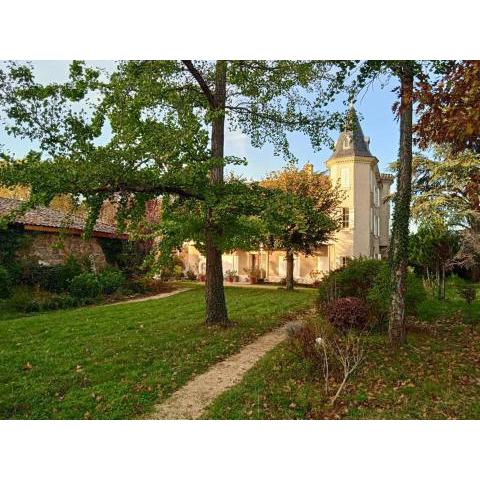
190,401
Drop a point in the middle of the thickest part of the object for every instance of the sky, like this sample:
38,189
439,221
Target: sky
374,108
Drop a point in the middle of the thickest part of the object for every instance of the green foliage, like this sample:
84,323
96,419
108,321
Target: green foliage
468,293
128,256
52,278
353,280
25,301
346,313
433,245
369,280
11,241
111,280
378,297
85,285
159,114
5,283
60,276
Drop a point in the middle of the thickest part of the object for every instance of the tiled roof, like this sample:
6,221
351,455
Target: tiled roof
49,217
351,141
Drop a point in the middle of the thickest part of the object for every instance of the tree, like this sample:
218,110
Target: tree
449,119
406,71
446,185
448,108
306,219
160,115
433,248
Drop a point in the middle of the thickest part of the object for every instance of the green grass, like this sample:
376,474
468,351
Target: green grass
111,362
436,375
432,309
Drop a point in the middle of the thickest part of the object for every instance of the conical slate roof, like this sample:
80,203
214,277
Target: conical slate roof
351,141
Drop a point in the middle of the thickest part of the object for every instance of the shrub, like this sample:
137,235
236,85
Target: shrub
346,313
57,302
190,275
153,285
5,283
378,297
468,293
111,280
303,340
353,280
133,286
22,300
58,277
85,285
55,278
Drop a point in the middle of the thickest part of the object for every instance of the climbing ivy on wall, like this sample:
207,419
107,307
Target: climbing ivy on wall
12,240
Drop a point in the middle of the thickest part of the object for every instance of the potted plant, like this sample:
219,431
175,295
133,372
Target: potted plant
230,275
253,274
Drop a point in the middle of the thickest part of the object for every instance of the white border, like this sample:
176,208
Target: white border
119,29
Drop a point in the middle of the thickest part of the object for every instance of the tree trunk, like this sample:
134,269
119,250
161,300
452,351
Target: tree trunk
438,282
290,261
216,308
443,281
401,216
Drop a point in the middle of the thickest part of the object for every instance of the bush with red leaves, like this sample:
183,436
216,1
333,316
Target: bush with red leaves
346,313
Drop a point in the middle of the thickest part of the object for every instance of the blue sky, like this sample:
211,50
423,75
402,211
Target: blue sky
374,107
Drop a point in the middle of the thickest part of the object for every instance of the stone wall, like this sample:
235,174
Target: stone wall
52,249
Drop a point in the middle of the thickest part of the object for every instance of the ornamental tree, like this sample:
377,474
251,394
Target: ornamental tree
448,108
157,128
303,220
447,185
432,249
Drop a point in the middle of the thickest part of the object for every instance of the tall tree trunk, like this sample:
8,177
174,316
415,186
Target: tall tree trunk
216,308
443,281
437,280
401,216
290,260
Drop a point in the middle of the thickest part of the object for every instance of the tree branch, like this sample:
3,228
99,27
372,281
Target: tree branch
201,82
156,189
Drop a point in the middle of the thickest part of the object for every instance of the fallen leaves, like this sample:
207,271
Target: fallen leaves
27,366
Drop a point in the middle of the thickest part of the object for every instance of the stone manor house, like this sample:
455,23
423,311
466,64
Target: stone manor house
365,220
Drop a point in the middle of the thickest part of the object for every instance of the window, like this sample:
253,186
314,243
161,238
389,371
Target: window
371,219
376,195
345,177
345,218
343,261
347,141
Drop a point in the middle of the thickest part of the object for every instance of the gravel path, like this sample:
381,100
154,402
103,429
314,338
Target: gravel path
153,297
190,401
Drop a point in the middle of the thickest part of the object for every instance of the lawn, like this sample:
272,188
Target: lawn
436,375
112,362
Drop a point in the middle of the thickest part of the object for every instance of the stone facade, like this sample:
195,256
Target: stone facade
53,249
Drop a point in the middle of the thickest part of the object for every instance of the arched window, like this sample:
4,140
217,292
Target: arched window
347,142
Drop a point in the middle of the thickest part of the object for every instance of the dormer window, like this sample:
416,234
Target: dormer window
347,142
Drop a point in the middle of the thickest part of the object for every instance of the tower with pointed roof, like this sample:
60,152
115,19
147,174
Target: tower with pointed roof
365,213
